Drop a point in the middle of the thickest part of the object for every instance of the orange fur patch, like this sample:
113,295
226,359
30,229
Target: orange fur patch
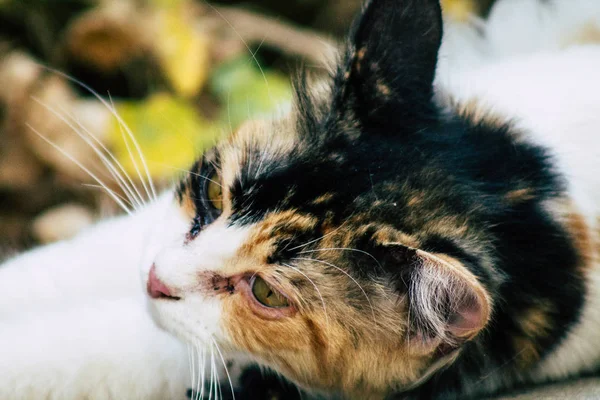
520,195
589,34
535,324
582,236
475,111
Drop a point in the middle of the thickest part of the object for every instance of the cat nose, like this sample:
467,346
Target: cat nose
156,288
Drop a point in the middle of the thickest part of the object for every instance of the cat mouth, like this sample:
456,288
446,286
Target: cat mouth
157,289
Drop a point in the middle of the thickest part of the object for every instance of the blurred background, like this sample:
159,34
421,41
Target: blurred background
178,74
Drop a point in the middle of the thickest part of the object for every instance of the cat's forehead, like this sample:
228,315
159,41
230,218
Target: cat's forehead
269,166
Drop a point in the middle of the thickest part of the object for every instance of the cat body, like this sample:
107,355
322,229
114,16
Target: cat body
388,239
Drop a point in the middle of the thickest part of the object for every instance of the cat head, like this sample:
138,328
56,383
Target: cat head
333,245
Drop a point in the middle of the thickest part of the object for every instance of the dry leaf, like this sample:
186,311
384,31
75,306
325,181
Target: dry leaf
61,222
108,36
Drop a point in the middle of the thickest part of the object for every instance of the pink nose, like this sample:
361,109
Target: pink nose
156,288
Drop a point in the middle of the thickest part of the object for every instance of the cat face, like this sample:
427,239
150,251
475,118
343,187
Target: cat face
332,244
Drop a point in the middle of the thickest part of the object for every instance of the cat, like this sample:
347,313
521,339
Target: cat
392,237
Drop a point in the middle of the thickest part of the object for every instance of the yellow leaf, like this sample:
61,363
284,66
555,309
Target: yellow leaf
169,131
182,51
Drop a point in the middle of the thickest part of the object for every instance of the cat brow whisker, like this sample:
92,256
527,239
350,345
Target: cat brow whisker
110,192
316,288
114,173
348,275
345,249
253,55
191,173
224,366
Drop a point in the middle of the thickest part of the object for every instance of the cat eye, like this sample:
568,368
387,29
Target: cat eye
266,295
214,192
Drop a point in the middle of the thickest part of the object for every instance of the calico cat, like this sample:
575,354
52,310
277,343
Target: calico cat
390,238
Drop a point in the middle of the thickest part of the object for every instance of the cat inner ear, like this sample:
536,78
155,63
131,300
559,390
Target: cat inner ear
387,75
447,304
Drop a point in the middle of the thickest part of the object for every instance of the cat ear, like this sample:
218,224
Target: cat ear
390,64
447,304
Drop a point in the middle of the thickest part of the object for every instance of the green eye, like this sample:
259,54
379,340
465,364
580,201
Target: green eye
215,192
266,295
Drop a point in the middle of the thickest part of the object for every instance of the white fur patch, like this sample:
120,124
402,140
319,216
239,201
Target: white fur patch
580,352
73,321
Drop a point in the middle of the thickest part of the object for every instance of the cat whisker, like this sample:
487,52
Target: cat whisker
191,173
345,249
218,393
124,128
224,366
191,364
201,367
114,173
122,124
511,360
212,374
252,54
130,185
91,185
349,276
317,239
110,192
316,288
198,381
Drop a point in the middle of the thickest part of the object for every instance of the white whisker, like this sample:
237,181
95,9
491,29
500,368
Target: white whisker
202,369
210,391
130,185
191,173
253,55
86,170
114,113
317,239
114,173
192,365
348,275
316,288
124,128
94,186
344,249
225,366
